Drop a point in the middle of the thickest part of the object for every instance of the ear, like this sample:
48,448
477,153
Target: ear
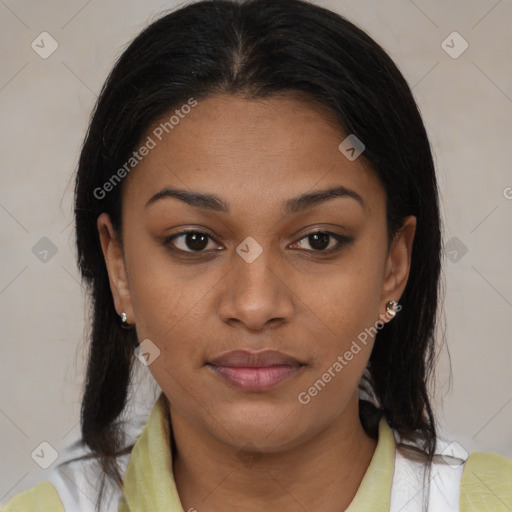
114,261
398,264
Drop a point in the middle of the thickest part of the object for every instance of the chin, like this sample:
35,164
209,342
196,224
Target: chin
269,428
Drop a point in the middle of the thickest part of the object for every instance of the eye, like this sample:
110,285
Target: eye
189,241
320,241
194,241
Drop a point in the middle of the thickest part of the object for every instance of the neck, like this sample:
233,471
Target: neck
320,474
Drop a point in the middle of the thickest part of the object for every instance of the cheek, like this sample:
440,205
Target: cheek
159,294
344,303
343,312
166,302
167,312
343,327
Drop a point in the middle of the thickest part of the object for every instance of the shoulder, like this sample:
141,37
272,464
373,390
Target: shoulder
71,486
458,481
486,483
41,497
414,482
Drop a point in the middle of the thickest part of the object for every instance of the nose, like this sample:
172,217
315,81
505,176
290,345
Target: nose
257,294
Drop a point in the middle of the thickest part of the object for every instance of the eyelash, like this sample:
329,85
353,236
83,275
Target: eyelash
341,239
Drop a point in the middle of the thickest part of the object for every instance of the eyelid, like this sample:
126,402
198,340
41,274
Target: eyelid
342,241
168,240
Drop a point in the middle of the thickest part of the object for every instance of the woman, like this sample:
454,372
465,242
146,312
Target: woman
257,219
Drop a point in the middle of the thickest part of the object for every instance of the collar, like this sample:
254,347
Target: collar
149,481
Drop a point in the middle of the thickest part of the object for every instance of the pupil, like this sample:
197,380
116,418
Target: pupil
194,239
324,240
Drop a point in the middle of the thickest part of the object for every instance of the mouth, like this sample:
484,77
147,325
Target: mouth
255,371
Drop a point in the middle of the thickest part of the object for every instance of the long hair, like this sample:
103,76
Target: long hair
257,49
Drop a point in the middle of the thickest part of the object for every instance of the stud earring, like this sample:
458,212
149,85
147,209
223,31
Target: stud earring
124,321
392,307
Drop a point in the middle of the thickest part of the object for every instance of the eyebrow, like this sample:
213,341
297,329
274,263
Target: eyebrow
291,206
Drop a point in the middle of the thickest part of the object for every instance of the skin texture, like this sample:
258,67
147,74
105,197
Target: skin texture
257,451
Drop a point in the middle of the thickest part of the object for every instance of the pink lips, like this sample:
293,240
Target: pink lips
255,371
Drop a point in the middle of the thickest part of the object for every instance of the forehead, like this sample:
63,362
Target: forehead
233,147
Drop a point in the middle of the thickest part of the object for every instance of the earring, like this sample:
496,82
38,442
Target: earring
124,321
392,307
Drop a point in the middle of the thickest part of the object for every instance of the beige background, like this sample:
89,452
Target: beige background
45,104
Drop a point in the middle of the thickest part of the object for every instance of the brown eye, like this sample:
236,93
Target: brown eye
325,241
189,241
198,242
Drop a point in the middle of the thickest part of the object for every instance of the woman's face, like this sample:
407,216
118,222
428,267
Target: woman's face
254,277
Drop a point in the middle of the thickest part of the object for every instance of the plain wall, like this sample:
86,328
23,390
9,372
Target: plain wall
45,105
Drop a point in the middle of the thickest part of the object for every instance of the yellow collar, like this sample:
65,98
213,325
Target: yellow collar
149,481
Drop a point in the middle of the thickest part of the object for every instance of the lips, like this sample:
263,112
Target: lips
255,371
246,359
